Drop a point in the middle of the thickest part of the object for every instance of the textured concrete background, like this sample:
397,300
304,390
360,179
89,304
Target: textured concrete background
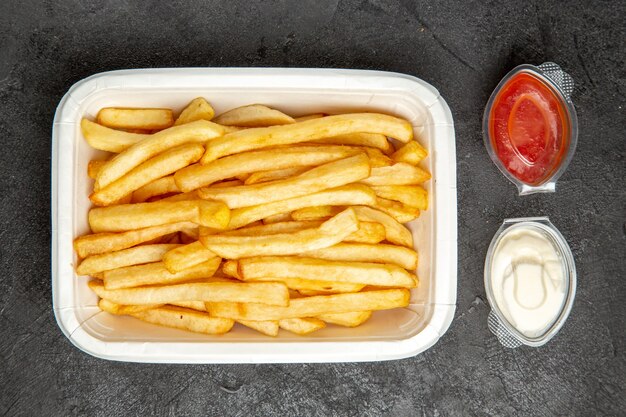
462,49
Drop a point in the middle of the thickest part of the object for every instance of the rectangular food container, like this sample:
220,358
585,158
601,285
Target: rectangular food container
388,335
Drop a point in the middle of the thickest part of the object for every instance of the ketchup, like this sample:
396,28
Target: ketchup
528,128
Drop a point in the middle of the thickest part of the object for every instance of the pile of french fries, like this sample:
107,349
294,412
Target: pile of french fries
251,217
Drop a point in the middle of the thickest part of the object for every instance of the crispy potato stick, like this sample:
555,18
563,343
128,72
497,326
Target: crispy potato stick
301,326
411,153
156,274
377,158
273,293
197,109
254,115
330,175
384,275
161,165
277,174
196,176
231,183
315,306
190,196
230,268
372,140
309,117
106,139
136,216
329,233
399,173
125,118
325,287
401,212
395,232
199,131
345,195
124,310
93,167
276,218
359,252
268,327
172,316
410,195
306,131
314,213
368,232
161,186
95,244
183,257
192,305
125,257
353,319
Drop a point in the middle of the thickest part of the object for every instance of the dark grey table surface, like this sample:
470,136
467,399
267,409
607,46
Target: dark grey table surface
463,49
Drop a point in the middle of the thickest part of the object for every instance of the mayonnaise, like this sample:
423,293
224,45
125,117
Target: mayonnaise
528,280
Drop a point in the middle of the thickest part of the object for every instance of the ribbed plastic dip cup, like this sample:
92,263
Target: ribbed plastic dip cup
530,281
530,127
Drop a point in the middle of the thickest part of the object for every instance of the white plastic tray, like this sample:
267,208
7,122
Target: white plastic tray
388,335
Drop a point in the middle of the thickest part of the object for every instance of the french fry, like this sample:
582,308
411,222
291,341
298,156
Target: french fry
106,139
276,174
268,327
410,195
306,131
301,326
329,233
368,232
359,252
276,218
231,183
136,216
368,273
156,274
196,176
199,131
353,319
187,256
161,186
230,268
401,212
411,153
95,244
272,293
93,167
161,165
330,175
395,232
172,316
190,196
192,305
314,213
309,117
399,173
254,115
314,306
377,158
345,195
319,286
197,109
127,118
124,310
125,257
372,140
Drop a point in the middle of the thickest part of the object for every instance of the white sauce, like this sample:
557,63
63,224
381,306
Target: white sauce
528,280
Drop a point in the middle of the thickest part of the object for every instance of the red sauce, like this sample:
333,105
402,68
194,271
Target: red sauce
528,128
